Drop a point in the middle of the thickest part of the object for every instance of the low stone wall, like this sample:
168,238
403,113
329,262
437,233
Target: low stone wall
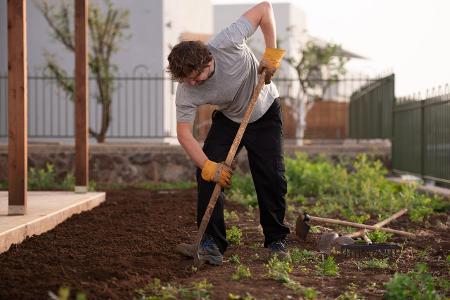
134,163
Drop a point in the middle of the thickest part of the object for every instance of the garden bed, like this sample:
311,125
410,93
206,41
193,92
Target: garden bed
120,247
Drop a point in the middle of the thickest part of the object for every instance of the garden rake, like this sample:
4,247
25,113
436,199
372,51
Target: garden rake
346,242
228,161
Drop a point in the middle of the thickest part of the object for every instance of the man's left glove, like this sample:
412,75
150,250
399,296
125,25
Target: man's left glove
271,61
217,172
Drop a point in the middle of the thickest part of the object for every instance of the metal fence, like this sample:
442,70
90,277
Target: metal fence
371,110
421,137
419,129
142,107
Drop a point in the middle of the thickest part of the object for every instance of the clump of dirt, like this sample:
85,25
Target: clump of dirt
122,245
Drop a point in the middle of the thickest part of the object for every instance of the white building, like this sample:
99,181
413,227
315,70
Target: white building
155,26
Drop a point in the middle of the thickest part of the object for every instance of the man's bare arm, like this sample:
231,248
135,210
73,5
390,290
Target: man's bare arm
190,144
262,15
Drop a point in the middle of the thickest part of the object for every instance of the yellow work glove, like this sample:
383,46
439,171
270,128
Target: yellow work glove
271,61
217,172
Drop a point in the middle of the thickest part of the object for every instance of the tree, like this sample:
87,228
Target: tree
106,30
317,69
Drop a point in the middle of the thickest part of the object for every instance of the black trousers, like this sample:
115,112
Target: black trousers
263,142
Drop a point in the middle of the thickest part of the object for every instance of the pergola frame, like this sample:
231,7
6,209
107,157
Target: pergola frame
18,103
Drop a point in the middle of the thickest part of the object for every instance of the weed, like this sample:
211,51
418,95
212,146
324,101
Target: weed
64,294
373,263
242,271
155,291
301,256
230,216
247,296
279,269
235,259
234,235
327,267
243,190
255,246
379,236
315,229
417,284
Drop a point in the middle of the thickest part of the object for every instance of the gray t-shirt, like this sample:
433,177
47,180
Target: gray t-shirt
235,76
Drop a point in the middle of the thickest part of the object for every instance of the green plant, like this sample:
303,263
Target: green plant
301,256
279,269
327,267
64,294
230,216
242,271
234,235
157,291
3,185
247,296
379,236
416,285
39,179
235,259
243,190
373,263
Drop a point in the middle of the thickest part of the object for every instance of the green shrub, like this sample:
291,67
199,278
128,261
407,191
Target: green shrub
279,269
235,259
230,216
378,236
312,178
416,285
247,296
42,179
328,267
155,291
301,256
242,271
243,190
234,235
358,194
373,263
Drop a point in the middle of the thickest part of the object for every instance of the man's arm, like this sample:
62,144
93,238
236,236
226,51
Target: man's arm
262,15
190,144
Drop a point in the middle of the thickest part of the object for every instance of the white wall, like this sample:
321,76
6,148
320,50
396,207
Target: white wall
155,26
291,26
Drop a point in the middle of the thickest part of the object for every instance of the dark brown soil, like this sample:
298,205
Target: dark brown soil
120,246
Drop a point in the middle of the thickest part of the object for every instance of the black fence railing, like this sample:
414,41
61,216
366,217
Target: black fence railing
143,106
419,128
371,110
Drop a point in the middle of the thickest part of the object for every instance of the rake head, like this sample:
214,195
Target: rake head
358,250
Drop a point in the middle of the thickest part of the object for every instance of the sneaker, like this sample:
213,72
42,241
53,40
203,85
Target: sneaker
278,248
209,252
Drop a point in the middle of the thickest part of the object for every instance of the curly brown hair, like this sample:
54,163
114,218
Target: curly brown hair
186,57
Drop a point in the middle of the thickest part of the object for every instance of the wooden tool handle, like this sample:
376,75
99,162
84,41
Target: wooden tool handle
358,225
230,156
379,224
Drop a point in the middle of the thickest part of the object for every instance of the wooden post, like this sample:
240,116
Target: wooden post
81,97
17,107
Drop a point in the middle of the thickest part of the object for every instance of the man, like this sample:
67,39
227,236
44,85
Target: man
225,72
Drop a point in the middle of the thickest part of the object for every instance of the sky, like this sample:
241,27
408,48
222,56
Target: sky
408,37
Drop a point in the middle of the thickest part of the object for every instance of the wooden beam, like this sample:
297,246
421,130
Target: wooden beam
17,107
81,97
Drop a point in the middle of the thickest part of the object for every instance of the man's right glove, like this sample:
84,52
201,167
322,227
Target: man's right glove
217,172
271,61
